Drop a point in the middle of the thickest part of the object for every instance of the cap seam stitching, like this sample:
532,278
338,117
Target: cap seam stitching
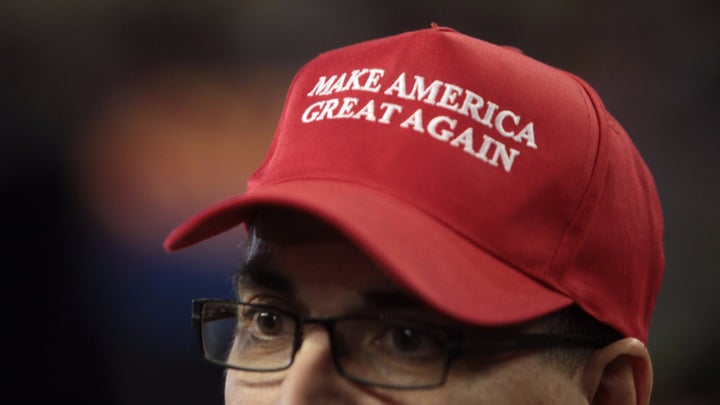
591,106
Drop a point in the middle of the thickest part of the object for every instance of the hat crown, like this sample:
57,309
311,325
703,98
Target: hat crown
494,186
507,151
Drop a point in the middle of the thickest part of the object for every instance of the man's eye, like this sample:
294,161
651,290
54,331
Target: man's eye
409,342
268,323
262,334
406,339
264,323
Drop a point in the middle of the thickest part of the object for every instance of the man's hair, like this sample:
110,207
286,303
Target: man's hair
574,322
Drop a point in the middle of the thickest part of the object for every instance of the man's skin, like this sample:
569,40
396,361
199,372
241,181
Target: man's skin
324,275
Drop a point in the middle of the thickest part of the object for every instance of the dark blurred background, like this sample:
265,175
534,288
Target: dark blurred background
121,118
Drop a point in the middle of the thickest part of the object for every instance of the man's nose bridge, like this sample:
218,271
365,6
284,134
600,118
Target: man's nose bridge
314,351
313,378
311,326
314,324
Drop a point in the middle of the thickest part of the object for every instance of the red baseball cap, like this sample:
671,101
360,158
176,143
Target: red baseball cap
495,187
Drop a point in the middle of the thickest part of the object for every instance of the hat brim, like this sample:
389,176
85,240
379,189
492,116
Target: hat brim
442,267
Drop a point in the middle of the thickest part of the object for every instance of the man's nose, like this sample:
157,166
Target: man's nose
312,378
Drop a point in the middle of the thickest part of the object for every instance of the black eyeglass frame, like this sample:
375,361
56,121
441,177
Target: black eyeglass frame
457,343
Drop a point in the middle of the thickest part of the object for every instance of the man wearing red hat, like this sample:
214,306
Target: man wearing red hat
438,220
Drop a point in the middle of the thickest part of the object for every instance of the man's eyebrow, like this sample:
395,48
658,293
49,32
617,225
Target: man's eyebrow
255,275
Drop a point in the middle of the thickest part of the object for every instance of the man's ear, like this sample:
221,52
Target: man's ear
619,374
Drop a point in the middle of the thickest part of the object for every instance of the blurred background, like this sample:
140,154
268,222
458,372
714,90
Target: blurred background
121,118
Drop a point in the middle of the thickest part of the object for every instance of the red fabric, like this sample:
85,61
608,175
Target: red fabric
567,212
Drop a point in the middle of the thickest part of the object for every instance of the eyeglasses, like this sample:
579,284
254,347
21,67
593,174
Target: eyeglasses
381,351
